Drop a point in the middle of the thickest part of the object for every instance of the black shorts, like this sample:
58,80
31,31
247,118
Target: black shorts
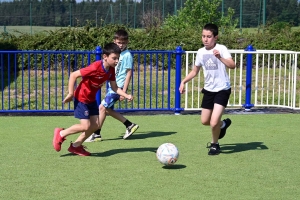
210,98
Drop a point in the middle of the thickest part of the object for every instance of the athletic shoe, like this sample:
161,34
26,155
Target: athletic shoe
130,130
94,138
79,150
214,149
57,139
223,130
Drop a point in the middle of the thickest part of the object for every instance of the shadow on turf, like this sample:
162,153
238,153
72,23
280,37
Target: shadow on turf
144,135
240,147
174,167
117,151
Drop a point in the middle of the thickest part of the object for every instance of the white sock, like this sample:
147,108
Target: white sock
223,125
60,134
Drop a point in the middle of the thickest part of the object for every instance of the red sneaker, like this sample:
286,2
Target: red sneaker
79,150
57,139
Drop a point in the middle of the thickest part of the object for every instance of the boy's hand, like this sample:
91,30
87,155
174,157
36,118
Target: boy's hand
68,98
121,98
217,53
181,88
129,97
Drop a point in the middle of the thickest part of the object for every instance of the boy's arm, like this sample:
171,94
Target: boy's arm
72,80
189,77
119,91
228,62
127,80
126,83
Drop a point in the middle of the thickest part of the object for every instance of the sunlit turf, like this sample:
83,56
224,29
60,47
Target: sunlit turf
259,160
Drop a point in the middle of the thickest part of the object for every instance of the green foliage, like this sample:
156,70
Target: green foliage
277,36
197,13
279,28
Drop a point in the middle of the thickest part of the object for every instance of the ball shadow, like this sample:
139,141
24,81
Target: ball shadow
178,166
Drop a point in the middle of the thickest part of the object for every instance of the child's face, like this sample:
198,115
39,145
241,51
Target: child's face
208,39
111,60
122,44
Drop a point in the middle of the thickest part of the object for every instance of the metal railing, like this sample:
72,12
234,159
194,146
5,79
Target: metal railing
262,78
37,81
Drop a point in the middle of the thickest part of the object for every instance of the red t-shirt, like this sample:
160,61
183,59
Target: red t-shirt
93,77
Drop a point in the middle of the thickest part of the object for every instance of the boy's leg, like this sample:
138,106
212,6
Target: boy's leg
130,127
216,122
222,98
211,115
96,136
77,147
225,124
61,134
106,107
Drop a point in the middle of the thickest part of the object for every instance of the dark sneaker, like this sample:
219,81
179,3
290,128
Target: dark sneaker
223,130
130,130
79,150
57,139
94,138
214,149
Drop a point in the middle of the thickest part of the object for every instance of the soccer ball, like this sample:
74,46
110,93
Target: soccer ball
167,154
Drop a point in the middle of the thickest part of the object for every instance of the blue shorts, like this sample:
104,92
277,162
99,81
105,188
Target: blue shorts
110,99
84,111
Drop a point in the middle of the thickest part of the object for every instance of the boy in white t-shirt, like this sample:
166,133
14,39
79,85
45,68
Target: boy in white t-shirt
123,76
213,58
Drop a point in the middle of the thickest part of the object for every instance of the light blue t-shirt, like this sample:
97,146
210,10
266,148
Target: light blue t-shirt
125,63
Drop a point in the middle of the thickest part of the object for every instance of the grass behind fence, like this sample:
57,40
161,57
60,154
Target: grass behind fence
259,160
46,89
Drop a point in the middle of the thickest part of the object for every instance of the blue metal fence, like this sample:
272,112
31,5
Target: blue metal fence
37,81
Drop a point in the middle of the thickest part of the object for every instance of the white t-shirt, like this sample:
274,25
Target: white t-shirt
215,75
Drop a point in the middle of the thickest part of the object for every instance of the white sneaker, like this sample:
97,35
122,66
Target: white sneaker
94,138
130,130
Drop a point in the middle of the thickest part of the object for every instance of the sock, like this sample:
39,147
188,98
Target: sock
60,134
223,125
74,145
97,132
127,123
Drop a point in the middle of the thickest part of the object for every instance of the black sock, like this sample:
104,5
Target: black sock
97,132
127,123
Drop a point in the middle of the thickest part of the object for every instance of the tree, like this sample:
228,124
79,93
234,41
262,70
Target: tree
197,13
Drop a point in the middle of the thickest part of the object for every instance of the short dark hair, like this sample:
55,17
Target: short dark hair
111,48
213,28
121,34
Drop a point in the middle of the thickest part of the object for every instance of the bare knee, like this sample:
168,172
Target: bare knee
205,122
214,124
102,109
85,127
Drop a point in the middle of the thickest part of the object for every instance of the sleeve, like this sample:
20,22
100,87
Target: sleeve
225,53
112,76
127,61
89,70
198,61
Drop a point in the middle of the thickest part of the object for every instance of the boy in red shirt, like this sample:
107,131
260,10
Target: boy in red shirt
85,104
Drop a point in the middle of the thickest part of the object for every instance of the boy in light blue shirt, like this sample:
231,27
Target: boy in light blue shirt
123,76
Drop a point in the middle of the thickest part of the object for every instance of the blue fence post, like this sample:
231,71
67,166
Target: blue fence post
248,104
98,57
178,53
